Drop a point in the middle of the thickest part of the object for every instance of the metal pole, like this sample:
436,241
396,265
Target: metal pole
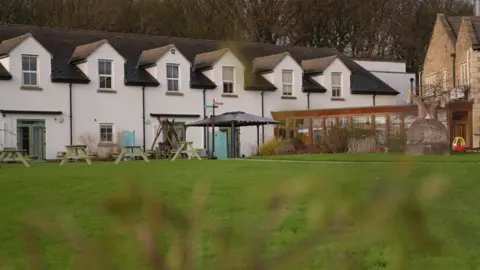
258,140
213,129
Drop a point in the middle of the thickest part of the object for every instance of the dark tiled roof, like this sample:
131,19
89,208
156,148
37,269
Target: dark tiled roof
200,81
82,52
317,64
268,63
312,86
256,82
4,74
455,22
150,57
62,43
9,44
206,60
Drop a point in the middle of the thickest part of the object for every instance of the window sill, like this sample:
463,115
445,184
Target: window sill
337,99
229,96
174,93
289,97
106,144
31,88
108,91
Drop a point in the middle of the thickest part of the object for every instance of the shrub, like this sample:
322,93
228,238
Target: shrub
270,146
286,148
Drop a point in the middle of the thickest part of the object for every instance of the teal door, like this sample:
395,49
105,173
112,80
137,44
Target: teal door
221,144
129,138
31,138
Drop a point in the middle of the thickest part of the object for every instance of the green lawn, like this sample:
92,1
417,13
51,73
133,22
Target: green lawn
237,190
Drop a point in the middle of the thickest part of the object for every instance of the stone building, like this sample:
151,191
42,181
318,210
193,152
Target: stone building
452,64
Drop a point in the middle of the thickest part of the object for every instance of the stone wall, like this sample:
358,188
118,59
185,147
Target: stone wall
438,56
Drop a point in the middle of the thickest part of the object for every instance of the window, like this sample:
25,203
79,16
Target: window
228,79
106,133
105,74
287,82
172,77
468,68
463,74
336,85
29,70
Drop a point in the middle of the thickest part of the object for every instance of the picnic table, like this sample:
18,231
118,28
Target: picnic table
188,149
12,154
76,152
133,151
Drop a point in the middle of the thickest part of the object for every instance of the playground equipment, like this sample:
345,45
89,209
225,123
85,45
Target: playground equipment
459,144
170,138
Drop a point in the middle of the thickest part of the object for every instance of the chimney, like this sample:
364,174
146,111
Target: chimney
476,8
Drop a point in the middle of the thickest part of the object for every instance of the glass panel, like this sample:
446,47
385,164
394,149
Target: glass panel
25,63
362,125
169,71
408,120
33,63
380,128
175,85
33,79
287,76
317,126
336,79
290,131
26,78
169,85
37,150
228,73
24,139
108,82
101,67
343,121
108,67
175,71
395,125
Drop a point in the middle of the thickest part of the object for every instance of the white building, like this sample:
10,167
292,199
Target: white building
61,87
394,73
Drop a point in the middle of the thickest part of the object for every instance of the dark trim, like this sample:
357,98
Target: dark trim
204,117
30,112
5,78
143,119
312,90
259,88
70,102
370,92
70,80
202,86
143,84
175,115
373,97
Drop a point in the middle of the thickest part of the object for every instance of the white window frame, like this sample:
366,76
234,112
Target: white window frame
100,76
112,126
173,79
286,84
29,70
230,89
336,88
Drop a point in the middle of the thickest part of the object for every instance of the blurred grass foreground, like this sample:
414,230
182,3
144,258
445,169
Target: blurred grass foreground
287,216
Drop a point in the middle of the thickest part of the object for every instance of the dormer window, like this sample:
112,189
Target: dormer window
336,85
29,70
172,77
287,82
105,74
228,79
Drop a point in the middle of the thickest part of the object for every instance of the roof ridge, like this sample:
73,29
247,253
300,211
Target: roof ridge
160,36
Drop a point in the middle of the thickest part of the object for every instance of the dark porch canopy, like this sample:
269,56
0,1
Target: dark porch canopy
233,120
237,119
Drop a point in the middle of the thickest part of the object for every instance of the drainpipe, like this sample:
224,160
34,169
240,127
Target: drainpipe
143,118
263,115
373,97
70,100
308,101
204,117
454,56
